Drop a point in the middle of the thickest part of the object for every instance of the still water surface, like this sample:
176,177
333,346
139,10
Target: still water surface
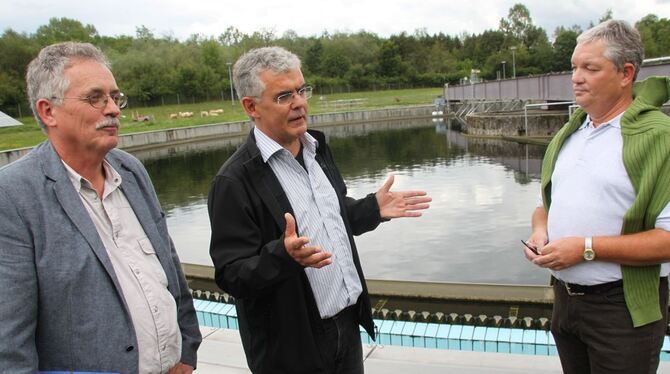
483,191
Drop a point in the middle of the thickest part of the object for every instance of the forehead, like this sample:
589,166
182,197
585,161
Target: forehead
89,75
589,50
289,80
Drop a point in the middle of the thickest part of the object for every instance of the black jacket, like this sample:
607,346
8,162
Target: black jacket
276,309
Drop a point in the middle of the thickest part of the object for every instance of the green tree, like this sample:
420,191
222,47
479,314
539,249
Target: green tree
231,36
211,55
63,30
313,57
517,24
654,32
564,44
16,51
143,33
390,62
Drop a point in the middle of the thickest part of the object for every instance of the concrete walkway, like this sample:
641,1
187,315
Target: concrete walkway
221,353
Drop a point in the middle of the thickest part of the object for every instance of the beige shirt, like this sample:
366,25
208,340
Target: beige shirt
142,279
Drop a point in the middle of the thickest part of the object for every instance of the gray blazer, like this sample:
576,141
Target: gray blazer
61,306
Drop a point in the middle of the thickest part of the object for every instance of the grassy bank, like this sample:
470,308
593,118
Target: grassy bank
30,134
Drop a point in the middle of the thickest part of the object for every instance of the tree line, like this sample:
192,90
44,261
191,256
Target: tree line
150,68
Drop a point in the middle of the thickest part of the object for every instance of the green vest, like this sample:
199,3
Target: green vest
646,157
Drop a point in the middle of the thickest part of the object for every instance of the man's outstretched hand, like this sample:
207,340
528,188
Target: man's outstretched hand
400,203
297,248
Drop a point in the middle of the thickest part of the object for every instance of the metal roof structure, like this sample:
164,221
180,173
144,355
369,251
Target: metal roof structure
6,121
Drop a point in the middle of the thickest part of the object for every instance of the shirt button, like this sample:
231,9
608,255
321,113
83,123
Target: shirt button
163,348
137,271
155,309
129,348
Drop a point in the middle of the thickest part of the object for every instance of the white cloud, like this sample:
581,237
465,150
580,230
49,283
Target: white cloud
211,18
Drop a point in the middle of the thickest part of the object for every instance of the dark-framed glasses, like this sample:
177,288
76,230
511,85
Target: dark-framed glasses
100,100
287,97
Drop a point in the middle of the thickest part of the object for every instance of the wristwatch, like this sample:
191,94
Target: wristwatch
589,254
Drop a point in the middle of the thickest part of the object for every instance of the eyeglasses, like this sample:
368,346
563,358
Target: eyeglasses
287,97
100,100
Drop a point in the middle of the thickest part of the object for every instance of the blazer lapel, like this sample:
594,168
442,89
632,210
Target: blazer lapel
266,183
71,202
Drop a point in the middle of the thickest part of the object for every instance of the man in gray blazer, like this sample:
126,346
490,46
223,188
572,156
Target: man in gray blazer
89,277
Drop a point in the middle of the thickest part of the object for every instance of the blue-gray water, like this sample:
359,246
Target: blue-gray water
483,191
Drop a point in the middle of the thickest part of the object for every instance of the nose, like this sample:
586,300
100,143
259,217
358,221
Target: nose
111,109
298,101
576,76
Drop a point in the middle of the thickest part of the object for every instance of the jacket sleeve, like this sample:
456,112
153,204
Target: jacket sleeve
247,261
18,292
363,214
186,317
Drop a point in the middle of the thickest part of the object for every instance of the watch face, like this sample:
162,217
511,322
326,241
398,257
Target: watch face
589,255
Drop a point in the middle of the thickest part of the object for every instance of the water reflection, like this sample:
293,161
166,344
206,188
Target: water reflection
483,194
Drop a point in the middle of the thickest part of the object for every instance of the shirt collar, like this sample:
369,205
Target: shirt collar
269,147
112,177
614,122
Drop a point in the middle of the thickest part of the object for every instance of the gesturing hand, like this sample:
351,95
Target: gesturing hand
298,249
401,203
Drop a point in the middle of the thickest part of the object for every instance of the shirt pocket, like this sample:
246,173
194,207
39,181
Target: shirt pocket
152,260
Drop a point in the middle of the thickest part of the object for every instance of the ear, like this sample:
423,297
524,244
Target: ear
249,105
45,109
628,74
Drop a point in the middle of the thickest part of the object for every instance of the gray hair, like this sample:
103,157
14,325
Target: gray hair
45,79
248,68
622,43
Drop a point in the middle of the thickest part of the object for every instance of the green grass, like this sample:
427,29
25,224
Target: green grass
30,134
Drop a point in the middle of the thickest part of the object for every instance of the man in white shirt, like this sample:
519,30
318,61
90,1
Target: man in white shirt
603,225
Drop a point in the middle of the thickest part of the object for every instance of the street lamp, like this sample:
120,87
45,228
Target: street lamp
230,78
513,48
503,64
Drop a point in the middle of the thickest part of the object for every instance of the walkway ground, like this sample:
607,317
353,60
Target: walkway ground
221,353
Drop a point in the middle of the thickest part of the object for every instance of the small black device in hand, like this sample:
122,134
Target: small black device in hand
534,250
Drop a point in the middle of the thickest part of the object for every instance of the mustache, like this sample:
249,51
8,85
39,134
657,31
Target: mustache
298,114
109,122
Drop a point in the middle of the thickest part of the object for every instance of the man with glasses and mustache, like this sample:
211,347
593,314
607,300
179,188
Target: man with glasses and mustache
282,230
89,277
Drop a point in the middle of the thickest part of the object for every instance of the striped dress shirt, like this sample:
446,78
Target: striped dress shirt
317,213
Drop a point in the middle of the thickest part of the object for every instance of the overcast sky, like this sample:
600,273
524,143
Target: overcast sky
180,19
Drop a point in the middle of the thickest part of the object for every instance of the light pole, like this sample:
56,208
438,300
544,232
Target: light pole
230,78
513,48
503,64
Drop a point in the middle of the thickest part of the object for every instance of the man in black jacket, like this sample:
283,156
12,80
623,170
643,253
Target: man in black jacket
298,282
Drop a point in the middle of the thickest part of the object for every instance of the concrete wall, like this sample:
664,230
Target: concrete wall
490,124
13,154
161,138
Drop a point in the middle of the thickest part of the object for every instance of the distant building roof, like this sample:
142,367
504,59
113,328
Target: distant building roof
6,121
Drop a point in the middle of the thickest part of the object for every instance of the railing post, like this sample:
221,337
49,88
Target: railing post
525,119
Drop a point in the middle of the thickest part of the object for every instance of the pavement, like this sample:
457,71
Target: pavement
221,353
